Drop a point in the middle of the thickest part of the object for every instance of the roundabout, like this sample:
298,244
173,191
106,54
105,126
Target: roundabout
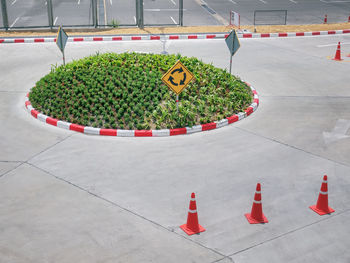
67,197
122,95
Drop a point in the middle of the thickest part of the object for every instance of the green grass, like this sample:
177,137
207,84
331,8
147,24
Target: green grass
125,91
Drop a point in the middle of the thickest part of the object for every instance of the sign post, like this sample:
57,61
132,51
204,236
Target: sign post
233,45
177,78
61,41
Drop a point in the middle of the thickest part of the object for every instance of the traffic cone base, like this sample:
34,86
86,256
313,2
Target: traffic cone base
189,231
337,56
321,212
252,220
337,59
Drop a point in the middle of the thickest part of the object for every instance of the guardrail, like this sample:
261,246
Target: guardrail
93,13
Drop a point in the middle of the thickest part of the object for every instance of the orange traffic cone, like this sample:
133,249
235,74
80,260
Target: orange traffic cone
337,53
256,216
325,19
322,207
192,226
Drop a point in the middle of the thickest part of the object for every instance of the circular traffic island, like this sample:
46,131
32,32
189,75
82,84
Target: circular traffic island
125,92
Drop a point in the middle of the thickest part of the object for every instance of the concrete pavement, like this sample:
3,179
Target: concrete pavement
71,197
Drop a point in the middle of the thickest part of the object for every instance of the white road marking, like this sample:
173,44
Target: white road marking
331,45
158,10
173,2
45,2
335,1
135,19
173,20
111,2
295,2
338,132
78,2
55,20
14,22
233,2
262,1
13,2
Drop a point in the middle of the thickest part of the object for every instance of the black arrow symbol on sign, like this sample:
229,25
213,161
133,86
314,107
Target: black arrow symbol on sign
177,70
171,79
182,82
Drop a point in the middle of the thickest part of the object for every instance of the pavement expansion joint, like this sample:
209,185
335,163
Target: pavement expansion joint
14,168
330,216
48,148
293,147
124,209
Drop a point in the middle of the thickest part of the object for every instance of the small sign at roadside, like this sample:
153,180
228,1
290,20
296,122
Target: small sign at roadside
177,77
233,45
61,41
232,42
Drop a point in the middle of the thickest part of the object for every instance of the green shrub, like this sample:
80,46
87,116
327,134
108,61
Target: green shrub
124,91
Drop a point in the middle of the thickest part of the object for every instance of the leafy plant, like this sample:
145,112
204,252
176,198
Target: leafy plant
125,91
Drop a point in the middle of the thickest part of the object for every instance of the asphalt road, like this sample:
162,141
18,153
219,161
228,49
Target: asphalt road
196,12
69,197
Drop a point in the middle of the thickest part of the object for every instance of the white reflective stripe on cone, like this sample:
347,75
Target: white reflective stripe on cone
257,202
325,181
192,211
193,199
258,192
324,193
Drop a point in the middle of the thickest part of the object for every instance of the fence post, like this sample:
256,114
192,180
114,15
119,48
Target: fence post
94,13
50,13
139,13
5,19
181,12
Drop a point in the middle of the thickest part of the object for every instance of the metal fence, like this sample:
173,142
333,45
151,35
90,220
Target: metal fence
16,14
270,17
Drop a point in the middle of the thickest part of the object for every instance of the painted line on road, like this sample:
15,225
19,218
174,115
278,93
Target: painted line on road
54,23
135,19
173,2
13,2
233,2
111,2
173,20
14,22
335,1
262,1
158,10
78,2
295,2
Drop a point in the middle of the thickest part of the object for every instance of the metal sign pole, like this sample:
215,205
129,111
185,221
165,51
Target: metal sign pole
181,12
231,64
5,19
50,13
177,103
64,59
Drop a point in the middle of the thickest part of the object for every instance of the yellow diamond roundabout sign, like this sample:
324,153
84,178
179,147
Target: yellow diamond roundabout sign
177,77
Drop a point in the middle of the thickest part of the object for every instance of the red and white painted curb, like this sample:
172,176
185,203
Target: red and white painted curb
172,37
144,133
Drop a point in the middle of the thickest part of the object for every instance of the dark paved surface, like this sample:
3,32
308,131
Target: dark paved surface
196,12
